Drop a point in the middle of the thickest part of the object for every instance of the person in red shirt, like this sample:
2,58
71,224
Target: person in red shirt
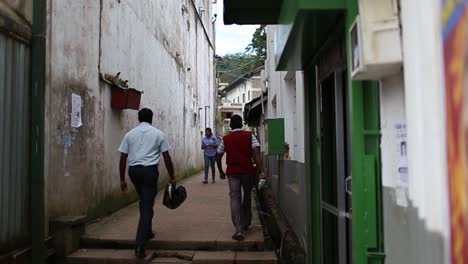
240,146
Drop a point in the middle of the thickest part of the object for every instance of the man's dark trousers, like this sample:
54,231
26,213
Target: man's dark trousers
145,180
241,207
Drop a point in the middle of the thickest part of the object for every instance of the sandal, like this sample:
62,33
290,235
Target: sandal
238,236
150,235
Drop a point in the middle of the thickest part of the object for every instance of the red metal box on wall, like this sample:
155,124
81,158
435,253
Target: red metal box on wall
125,98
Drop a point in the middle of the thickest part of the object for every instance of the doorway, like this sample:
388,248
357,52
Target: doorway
334,152
336,215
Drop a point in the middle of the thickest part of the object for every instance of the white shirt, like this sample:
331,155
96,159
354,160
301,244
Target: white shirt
255,142
144,145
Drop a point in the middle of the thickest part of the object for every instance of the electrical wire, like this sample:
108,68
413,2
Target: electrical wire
240,77
242,66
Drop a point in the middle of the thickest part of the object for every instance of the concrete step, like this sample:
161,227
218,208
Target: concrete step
201,244
170,261
231,257
106,256
124,256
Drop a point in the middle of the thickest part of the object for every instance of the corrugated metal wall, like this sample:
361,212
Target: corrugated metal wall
14,143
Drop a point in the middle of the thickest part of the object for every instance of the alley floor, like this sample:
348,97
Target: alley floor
199,231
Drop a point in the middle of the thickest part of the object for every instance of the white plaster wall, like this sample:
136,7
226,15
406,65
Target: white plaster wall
416,222
300,118
392,112
421,21
288,92
161,48
288,109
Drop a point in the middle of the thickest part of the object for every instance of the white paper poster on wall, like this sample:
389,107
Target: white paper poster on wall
402,160
401,169
76,111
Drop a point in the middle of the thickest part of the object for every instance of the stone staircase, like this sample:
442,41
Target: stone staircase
125,256
107,251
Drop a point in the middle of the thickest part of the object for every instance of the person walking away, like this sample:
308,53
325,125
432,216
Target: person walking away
209,145
239,147
143,147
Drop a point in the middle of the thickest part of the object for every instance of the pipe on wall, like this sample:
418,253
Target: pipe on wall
38,249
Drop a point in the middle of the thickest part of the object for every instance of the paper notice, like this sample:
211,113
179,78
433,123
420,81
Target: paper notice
76,111
402,157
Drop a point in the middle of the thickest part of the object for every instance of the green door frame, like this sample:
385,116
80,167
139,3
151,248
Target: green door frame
313,199
365,164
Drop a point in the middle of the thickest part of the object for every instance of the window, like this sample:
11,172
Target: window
238,99
243,98
249,97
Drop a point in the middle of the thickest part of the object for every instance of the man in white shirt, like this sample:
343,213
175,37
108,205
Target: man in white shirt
142,147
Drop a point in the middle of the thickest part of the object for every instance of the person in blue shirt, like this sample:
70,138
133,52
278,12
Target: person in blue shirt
143,148
209,145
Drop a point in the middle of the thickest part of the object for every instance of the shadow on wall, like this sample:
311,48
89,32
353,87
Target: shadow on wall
406,236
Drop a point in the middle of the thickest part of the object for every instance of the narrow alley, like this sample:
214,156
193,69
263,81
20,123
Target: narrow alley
348,120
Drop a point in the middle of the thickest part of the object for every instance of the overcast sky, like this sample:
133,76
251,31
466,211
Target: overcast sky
231,39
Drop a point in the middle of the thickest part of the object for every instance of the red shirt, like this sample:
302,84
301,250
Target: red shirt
238,148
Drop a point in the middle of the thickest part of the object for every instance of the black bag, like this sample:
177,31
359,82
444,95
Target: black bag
174,197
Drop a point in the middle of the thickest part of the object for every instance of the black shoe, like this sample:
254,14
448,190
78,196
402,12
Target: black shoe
140,252
150,235
205,182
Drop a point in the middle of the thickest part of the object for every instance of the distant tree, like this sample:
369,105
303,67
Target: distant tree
258,44
233,66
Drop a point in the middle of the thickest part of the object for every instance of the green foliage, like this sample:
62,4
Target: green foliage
232,66
219,117
258,44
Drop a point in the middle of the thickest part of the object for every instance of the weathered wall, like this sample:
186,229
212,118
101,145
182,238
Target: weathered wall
416,216
161,48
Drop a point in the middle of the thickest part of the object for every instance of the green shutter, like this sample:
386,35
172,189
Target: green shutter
275,136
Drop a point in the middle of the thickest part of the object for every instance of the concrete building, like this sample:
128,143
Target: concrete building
381,111
235,95
163,48
245,88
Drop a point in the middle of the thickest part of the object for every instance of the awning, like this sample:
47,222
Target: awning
244,12
253,111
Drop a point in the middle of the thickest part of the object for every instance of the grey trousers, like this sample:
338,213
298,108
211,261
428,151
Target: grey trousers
241,207
145,180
